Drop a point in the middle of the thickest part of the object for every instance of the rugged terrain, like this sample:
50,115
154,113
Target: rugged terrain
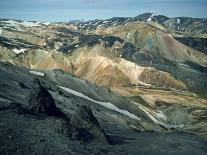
116,86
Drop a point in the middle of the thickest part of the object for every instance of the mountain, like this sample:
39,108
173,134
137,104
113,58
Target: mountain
189,31
113,84
75,21
151,17
156,48
180,26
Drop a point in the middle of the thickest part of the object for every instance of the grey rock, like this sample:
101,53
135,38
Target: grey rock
41,101
86,127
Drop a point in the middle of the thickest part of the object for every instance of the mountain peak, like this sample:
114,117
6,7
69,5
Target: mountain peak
151,17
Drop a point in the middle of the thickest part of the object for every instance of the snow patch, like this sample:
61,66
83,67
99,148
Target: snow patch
160,114
105,104
46,23
58,45
178,20
0,31
11,23
105,21
150,18
30,24
128,35
17,51
37,73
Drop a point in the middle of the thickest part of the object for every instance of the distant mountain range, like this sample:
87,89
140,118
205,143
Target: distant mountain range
190,31
185,25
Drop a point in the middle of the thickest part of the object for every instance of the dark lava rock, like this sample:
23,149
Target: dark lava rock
85,114
86,127
41,101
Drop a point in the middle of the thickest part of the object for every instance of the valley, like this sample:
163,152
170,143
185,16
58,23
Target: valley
126,85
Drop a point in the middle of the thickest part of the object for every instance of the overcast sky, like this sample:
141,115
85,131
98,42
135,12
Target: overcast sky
65,10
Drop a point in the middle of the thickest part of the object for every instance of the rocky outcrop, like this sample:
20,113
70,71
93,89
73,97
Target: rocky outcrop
41,101
85,127
82,126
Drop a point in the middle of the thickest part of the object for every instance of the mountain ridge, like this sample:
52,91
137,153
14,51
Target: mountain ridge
117,84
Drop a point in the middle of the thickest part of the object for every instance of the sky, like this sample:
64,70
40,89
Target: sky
65,10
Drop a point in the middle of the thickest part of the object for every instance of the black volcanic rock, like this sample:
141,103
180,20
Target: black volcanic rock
197,43
41,101
128,50
86,127
84,113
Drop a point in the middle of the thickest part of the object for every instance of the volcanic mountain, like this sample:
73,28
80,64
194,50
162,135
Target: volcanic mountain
109,83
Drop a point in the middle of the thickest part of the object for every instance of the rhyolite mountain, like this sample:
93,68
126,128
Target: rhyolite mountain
104,86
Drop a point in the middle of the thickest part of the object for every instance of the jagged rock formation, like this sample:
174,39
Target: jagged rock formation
84,126
41,101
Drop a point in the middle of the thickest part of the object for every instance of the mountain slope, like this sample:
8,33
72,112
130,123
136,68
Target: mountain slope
113,83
